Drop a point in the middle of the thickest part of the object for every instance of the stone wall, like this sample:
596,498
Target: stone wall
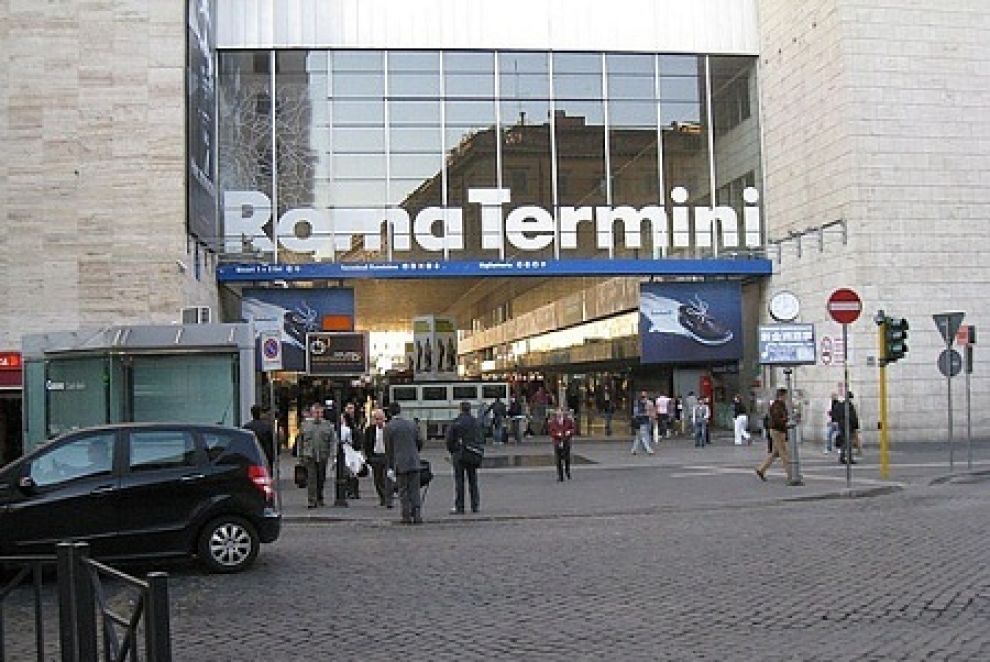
92,175
873,112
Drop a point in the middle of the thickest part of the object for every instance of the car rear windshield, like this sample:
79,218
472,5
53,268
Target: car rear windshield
223,446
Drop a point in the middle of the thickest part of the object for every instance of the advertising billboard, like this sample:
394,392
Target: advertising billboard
690,322
336,354
434,351
203,220
293,313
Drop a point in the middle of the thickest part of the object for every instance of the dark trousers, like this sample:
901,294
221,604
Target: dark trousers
383,486
316,477
563,453
408,483
472,476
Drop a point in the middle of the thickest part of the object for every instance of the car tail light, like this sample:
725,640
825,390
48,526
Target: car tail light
258,473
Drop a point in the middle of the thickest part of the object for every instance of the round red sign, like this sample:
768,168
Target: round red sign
844,306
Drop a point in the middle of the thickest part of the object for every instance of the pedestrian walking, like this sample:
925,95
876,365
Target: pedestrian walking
464,430
348,432
262,430
778,419
318,449
561,432
831,427
740,421
690,402
374,451
839,418
642,424
663,416
402,446
499,413
700,416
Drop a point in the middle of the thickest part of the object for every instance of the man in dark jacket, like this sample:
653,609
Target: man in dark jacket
839,418
778,419
464,429
374,451
262,429
402,446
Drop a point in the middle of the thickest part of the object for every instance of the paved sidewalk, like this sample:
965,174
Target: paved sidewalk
613,481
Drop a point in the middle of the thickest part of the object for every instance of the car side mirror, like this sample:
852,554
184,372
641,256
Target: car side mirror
27,484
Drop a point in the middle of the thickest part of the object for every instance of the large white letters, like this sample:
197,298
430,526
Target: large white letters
526,228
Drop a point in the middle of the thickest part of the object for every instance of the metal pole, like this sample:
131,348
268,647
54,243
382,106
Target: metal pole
884,441
157,628
967,362
67,632
847,442
85,603
948,384
795,469
276,444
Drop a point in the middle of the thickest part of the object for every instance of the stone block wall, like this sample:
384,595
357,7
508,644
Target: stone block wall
92,172
873,112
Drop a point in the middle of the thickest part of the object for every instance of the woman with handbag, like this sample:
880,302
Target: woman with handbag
561,431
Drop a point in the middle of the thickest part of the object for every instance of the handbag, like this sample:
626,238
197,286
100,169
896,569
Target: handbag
300,475
472,454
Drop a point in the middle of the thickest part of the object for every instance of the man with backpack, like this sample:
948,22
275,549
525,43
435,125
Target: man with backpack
463,432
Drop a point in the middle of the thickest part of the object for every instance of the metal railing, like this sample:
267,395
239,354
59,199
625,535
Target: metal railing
28,565
83,601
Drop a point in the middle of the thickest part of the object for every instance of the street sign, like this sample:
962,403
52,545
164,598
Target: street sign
948,324
966,335
787,344
271,351
826,351
950,362
844,306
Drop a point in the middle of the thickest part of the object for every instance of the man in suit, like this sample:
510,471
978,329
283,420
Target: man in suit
374,450
402,446
464,429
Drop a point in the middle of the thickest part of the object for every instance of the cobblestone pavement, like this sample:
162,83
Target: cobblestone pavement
686,560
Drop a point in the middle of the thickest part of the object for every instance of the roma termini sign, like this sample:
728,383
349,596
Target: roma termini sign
526,228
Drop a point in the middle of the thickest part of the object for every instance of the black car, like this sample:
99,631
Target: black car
143,490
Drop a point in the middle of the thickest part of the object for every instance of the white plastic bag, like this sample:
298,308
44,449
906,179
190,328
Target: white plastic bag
353,459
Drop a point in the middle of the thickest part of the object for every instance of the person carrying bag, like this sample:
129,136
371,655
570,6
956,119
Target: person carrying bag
465,445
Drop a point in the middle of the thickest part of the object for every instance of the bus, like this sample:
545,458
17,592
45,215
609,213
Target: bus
436,404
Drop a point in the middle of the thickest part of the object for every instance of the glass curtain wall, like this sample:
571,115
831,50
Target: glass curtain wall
358,131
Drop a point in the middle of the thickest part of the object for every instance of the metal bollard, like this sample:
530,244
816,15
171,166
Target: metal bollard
158,630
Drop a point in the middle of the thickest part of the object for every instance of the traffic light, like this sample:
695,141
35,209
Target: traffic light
895,331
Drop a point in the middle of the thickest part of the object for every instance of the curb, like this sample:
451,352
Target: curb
963,478
849,493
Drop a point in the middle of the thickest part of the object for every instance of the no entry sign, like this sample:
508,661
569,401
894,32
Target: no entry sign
844,306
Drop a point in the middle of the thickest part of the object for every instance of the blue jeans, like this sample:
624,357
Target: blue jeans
700,433
642,438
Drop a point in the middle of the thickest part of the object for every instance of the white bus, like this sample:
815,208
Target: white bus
436,404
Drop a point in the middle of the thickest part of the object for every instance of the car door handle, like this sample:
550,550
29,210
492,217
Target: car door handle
188,478
103,489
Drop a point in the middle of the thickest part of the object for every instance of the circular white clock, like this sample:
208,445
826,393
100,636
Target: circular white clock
784,306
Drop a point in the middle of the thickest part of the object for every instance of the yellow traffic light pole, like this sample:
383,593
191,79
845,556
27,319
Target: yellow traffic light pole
884,440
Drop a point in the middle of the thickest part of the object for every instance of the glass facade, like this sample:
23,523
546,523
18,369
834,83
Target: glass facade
366,155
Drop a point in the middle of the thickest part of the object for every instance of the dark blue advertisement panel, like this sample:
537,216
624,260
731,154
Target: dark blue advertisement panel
690,322
294,313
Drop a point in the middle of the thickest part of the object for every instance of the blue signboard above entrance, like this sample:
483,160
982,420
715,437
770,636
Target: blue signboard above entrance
475,268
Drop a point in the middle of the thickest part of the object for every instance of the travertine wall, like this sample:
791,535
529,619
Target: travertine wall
874,112
92,149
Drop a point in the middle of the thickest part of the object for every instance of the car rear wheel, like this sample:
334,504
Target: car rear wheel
228,544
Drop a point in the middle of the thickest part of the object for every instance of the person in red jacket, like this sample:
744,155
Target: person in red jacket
561,431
